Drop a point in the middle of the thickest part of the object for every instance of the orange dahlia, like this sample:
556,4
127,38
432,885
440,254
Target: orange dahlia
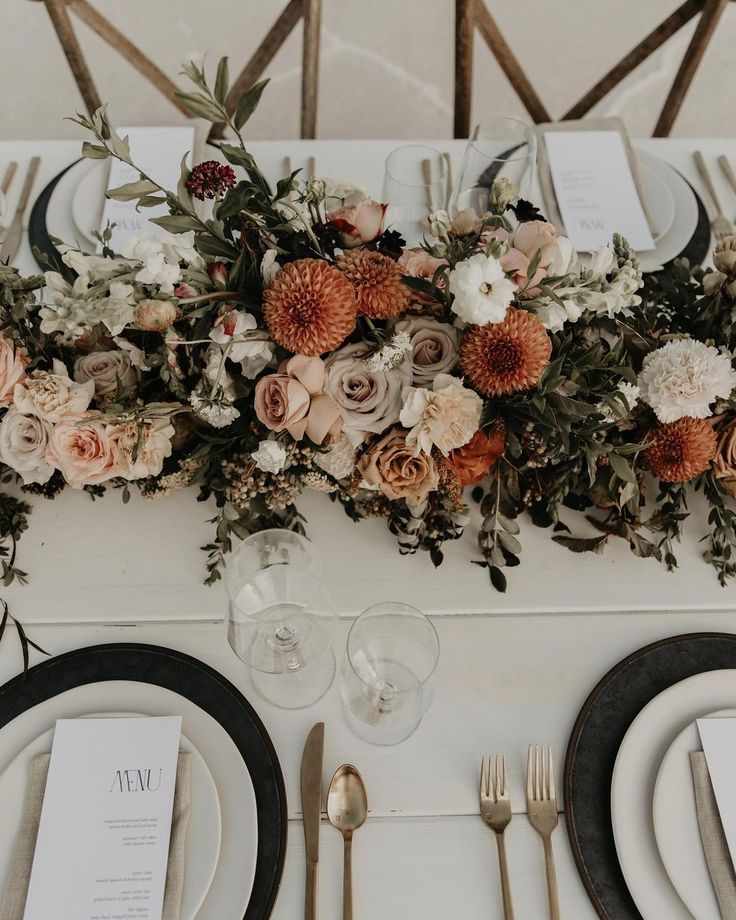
376,280
506,357
309,307
679,451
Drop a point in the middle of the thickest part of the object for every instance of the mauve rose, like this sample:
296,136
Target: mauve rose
23,443
358,223
293,400
471,462
80,448
724,464
110,371
13,363
391,466
434,347
370,401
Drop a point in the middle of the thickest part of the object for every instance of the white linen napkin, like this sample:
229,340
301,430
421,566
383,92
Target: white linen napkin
13,902
715,847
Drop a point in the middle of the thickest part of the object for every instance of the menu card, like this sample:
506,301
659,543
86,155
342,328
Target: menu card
103,840
158,152
595,189
719,746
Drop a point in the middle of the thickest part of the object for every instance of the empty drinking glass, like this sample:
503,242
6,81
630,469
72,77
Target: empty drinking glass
414,185
392,655
500,147
277,617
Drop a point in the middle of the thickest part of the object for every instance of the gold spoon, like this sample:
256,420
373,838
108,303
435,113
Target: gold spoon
347,809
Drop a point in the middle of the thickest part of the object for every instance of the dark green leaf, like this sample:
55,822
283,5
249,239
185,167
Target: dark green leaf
248,103
498,579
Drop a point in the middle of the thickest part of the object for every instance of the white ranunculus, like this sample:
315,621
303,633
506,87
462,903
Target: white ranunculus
23,443
482,292
270,456
445,417
684,377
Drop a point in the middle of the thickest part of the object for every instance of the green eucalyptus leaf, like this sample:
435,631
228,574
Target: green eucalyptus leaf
222,81
176,223
248,103
132,190
200,105
94,151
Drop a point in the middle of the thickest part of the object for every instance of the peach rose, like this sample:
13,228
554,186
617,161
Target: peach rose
420,264
358,223
724,463
390,465
13,363
293,400
80,447
471,462
530,237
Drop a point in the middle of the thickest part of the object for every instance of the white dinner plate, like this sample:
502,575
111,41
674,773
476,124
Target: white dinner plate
202,846
676,824
632,787
88,201
59,219
231,886
659,200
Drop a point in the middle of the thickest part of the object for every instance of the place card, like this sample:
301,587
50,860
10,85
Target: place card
719,746
103,839
158,152
595,188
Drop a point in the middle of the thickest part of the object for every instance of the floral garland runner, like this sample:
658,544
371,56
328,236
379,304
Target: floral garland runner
268,341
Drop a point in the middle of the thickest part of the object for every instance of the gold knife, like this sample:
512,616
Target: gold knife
8,177
311,785
15,231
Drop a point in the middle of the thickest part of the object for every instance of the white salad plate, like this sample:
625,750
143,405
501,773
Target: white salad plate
229,891
676,824
632,788
203,831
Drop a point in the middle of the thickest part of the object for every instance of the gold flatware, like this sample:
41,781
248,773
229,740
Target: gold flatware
721,225
448,191
495,810
14,235
347,809
727,171
311,789
542,811
8,176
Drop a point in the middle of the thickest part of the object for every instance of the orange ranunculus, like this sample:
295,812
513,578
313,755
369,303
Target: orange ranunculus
471,462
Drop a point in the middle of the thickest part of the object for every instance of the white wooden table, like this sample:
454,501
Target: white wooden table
515,668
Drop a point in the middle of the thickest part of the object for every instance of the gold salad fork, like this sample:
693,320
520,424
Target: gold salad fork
495,810
722,226
542,811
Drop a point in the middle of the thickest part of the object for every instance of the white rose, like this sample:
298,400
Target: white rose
139,448
109,371
445,417
270,457
53,395
482,292
23,443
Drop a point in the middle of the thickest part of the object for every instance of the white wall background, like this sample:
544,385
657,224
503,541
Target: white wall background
387,65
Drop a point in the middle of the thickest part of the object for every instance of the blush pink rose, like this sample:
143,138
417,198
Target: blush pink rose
420,264
359,223
80,447
13,363
526,240
293,400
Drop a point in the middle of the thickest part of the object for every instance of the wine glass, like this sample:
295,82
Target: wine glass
277,616
502,147
414,185
391,658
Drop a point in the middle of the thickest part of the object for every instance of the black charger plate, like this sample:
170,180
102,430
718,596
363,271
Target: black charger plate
594,744
210,691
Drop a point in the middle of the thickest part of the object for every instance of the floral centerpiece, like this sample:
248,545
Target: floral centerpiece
270,340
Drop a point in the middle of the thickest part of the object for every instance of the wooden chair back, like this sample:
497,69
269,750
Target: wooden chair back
310,11
470,14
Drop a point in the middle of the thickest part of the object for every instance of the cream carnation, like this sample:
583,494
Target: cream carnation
80,447
445,417
23,443
140,447
481,290
52,395
683,378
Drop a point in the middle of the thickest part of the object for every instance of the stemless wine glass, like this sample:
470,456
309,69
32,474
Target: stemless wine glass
414,185
501,147
391,658
277,614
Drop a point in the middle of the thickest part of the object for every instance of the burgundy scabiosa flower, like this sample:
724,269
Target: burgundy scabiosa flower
209,179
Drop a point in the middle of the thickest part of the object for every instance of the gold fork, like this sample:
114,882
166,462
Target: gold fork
495,810
722,226
542,811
